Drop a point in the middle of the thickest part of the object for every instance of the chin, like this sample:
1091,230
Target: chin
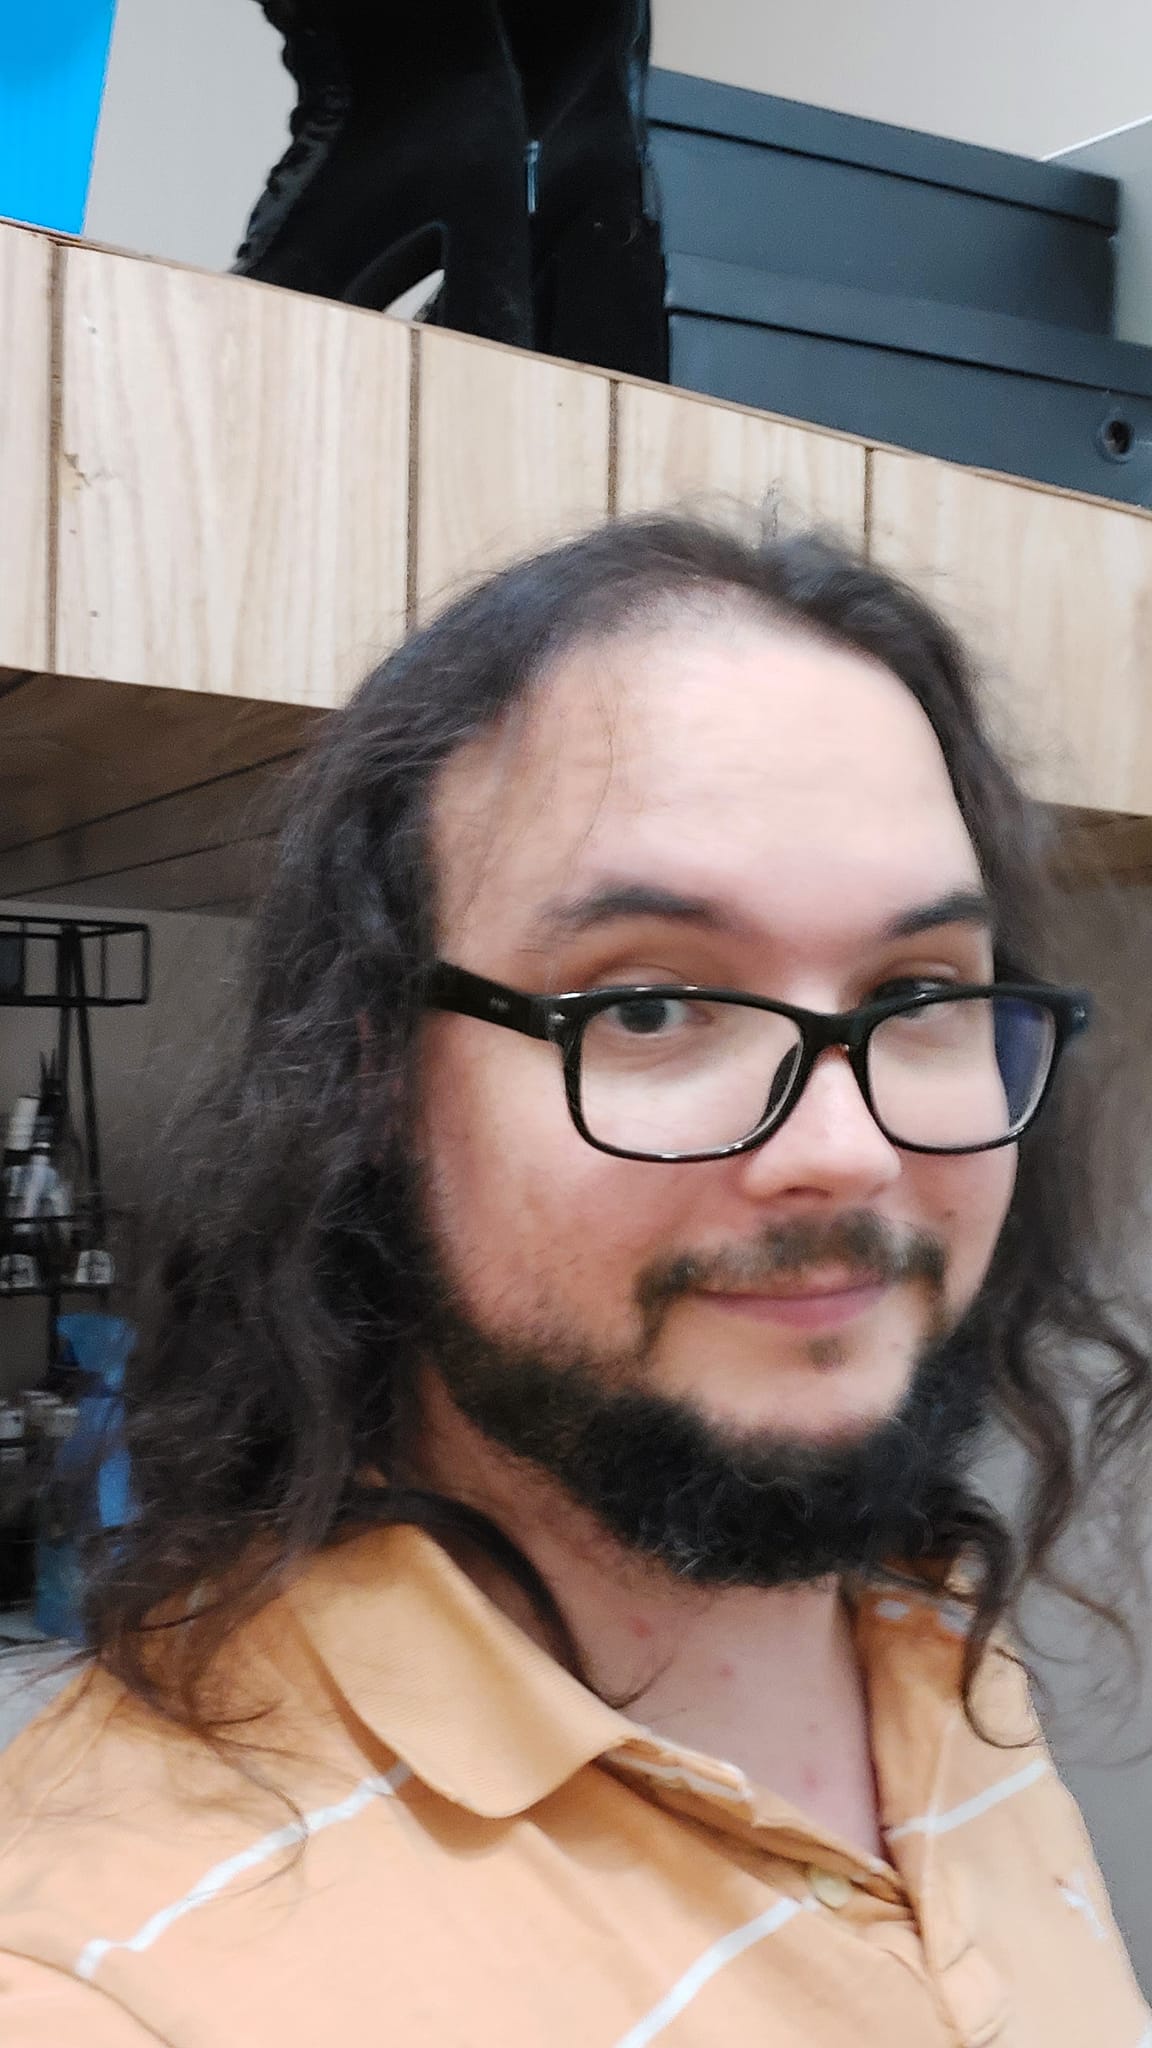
828,1396
746,1462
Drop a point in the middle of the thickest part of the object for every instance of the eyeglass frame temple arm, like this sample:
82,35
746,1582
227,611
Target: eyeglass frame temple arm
473,995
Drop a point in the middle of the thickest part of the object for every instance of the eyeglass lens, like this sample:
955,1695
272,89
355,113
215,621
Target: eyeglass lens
664,1074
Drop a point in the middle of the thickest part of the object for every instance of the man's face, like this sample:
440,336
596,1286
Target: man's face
797,797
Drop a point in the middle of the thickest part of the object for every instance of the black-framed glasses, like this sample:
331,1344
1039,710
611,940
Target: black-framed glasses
678,1073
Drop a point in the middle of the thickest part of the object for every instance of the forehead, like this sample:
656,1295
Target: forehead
795,781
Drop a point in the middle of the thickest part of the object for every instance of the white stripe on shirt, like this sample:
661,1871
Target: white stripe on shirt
678,1777
222,1874
957,1816
713,1959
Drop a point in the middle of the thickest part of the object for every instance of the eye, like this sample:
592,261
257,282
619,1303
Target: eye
649,1016
910,985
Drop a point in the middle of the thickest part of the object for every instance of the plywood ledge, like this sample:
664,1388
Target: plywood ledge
223,503
126,796
1098,848
212,881
76,752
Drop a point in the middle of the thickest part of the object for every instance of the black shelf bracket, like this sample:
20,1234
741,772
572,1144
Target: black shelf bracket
73,963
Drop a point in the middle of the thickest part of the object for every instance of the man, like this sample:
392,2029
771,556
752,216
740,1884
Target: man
559,1608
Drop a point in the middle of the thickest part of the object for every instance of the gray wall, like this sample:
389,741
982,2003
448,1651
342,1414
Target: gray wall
1034,76
1127,155
195,111
1108,944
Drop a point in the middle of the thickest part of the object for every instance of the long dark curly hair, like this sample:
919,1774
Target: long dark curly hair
283,1325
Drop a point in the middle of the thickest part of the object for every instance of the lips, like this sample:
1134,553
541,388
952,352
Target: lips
823,1303
828,1282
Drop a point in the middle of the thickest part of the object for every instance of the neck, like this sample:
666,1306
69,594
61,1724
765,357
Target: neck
767,1679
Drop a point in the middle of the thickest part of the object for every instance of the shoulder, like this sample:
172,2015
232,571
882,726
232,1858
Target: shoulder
30,1677
43,2006
75,1785
117,1826
59,1807
53,1720
106,1809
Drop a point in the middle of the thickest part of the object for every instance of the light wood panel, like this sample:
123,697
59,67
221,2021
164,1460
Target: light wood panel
233,483
676,451
1055,595
73,752
513,454
231,545
25,358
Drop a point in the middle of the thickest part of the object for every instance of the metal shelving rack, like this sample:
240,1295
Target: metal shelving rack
73,966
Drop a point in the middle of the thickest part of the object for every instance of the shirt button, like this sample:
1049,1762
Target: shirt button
829,1887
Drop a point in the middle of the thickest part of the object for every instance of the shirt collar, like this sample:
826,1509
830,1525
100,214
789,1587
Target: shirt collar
475,1708
486,1717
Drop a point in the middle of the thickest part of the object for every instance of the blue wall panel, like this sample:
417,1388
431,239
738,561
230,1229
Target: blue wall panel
53,56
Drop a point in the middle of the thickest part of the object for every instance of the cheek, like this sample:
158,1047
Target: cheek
528,1216
968,1201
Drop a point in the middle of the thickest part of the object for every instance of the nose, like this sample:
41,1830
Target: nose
829,1146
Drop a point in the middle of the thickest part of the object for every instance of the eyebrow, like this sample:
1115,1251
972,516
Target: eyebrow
616,903
959,906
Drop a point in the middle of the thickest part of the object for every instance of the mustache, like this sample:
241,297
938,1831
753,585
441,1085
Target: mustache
859,1240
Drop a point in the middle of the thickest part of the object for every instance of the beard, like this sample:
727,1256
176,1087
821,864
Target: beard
711,1504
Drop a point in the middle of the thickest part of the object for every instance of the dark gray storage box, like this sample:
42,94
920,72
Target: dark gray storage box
898,286
800,191
973,387
774,185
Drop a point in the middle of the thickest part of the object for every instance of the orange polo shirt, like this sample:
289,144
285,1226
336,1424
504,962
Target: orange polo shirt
492,1858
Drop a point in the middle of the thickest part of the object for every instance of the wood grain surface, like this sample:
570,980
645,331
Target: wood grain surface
233,483
25,359
232,809
1055,596
512,454
687,454
74,752
1094,847
228,527
221,881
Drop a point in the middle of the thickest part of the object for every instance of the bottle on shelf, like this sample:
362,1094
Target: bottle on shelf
38,1227
18,1269
60,1520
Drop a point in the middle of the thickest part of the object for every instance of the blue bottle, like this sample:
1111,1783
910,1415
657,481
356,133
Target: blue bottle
87,1487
